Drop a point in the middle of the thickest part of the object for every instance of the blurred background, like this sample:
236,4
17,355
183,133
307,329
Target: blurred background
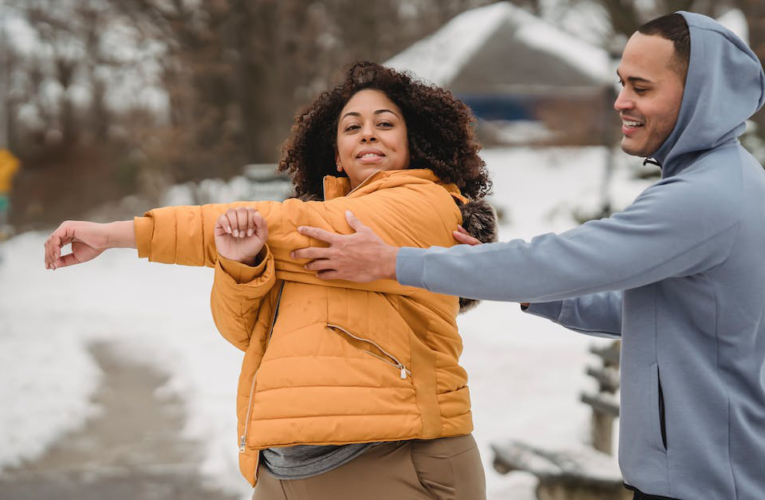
112,379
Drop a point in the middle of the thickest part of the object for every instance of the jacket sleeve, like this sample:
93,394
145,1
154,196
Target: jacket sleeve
598,314
237,294
402,216
677,227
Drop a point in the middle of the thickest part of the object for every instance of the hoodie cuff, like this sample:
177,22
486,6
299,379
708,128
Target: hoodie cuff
549,310
410,266
144,228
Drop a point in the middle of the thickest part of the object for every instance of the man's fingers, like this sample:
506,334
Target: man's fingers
311,253
320,265
354,222
316,233
465,239
328,275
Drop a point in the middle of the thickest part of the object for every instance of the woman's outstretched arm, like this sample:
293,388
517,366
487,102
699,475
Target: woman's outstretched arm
239,236
88,240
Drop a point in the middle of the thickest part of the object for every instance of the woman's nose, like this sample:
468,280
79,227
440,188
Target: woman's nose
368,134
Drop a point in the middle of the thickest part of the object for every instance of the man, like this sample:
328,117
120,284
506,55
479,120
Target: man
678,274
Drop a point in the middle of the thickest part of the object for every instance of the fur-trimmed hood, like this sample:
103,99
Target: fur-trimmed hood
480,221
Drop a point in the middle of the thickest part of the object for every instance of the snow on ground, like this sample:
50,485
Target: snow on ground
525,373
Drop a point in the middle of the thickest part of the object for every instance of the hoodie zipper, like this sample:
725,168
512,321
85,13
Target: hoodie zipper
243,441
392,360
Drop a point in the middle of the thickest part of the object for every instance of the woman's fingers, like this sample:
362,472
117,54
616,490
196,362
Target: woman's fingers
60,237
233,222
241,217
258,225
222,226
241,222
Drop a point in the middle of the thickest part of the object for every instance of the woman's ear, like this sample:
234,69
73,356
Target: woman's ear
337,162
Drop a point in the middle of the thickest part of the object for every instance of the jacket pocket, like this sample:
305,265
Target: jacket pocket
372,348
662,418
657,410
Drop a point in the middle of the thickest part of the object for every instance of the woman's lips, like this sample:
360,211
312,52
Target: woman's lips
371,158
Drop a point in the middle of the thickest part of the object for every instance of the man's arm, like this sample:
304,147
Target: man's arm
598,315
677,227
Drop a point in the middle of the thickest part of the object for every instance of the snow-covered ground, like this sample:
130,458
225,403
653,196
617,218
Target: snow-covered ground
525,373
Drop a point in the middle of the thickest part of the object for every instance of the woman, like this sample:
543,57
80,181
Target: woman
357,387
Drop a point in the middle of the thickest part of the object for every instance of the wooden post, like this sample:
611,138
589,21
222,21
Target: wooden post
605,405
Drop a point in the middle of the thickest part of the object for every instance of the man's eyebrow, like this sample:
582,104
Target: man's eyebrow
379,111
634,79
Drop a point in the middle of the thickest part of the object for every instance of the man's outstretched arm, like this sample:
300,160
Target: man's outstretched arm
675,228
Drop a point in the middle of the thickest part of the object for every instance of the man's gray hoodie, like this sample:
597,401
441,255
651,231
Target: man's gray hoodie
679,275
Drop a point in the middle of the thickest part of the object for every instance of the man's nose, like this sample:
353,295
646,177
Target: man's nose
623,101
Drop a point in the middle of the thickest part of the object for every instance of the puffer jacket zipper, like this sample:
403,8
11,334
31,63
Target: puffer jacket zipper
392,360
243,441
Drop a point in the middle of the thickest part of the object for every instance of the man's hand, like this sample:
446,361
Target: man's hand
360,257
240,234
462,236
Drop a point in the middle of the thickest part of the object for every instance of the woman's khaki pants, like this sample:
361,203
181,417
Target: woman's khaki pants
438,469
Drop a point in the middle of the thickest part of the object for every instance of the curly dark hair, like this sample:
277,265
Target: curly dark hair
440,131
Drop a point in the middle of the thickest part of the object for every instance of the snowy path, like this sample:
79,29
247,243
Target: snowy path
132,450
525,373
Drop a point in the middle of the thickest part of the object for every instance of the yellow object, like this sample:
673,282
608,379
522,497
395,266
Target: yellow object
346,362
9,165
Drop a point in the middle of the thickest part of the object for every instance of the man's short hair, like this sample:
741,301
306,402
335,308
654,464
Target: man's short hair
674,28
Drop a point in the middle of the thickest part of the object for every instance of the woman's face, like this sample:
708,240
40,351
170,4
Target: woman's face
371,136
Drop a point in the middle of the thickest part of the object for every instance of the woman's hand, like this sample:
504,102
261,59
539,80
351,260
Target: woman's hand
88,239
240,234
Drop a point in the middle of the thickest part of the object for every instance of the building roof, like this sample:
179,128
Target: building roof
501,47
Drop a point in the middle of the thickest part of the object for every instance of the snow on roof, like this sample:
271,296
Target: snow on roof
440,57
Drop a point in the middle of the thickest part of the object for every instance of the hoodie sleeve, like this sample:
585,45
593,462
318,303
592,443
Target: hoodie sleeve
677,227
598,314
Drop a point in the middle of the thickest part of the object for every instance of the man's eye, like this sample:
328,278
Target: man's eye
640,91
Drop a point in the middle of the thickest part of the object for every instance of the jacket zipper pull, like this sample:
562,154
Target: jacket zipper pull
242,444
403,372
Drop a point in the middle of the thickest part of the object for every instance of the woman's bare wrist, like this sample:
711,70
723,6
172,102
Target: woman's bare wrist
120,234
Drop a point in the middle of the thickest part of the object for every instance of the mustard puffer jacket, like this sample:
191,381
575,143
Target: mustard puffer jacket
344,362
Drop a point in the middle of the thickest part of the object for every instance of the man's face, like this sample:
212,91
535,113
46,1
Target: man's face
651,94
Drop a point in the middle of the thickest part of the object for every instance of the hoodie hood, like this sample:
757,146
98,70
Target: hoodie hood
724,87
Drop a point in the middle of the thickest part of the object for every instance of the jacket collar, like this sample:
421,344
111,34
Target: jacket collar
336,187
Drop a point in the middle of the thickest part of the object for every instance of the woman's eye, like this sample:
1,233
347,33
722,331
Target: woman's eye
352,127
385,124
